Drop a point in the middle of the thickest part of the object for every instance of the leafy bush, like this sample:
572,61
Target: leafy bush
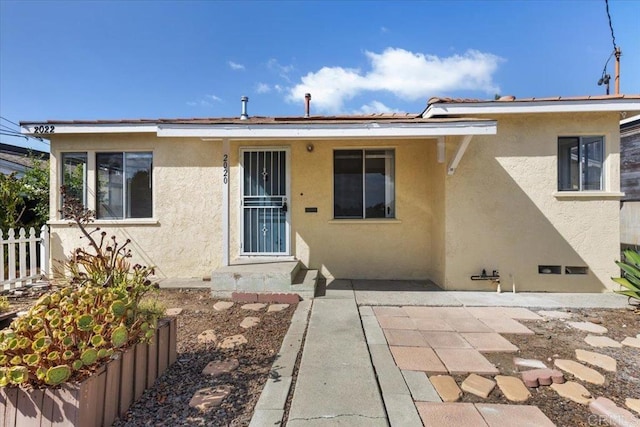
96,311
630,279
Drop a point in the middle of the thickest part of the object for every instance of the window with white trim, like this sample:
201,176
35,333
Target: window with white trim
74,176
580,163
124,185
363,184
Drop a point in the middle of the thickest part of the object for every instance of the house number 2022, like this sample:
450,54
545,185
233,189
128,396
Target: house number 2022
40,129
225,168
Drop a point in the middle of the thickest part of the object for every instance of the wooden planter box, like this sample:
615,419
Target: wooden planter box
101,398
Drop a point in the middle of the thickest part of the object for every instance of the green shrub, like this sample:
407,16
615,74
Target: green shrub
95,312
630,280
4,304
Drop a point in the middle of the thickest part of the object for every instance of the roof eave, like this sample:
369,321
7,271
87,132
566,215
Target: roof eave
529,107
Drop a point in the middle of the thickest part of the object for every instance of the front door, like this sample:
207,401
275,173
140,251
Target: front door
265,217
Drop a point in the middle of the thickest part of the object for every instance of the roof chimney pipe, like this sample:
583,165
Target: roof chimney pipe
244,115
307,104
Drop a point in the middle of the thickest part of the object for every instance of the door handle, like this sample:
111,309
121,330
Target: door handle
284,207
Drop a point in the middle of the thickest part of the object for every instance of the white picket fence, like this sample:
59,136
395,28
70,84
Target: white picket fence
30,267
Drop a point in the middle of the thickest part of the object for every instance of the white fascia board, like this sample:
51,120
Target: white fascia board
71,128
527,107
320,131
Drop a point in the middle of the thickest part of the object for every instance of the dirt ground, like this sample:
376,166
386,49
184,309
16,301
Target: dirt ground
555,339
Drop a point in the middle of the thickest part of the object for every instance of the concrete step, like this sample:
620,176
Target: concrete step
264,277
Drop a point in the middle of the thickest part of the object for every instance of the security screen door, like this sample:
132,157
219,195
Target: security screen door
265,225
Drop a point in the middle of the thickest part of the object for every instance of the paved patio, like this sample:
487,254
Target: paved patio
380,370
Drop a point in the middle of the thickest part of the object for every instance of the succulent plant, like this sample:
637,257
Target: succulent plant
57,375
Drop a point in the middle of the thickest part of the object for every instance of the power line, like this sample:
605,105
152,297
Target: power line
13,123
613,37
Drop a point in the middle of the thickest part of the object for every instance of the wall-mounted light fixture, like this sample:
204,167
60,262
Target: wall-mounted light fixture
310,147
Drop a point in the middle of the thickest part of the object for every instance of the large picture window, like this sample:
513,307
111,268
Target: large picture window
74,175
124,185
580,163
363,184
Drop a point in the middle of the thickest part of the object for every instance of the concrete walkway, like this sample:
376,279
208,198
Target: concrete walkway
336,382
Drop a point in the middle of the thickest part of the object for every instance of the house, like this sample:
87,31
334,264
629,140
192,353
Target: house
16,159
529,188
630,182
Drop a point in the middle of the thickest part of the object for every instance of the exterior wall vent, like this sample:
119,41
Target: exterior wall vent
549,269
576,270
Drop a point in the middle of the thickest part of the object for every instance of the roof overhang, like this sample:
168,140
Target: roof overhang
330,131
403,130
530,107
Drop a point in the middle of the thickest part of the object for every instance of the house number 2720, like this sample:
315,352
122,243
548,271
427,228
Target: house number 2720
225,168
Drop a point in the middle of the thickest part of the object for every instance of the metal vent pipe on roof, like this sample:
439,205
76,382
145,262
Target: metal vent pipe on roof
307,104
244,115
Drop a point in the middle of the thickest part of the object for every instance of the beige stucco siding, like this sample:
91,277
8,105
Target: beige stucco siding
370,249
501,212
183,238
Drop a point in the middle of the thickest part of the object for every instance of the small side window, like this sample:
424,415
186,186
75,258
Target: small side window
74,175
580,163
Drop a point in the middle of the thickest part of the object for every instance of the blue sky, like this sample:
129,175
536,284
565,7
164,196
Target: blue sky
109,60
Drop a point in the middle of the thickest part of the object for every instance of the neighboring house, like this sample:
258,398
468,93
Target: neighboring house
528,187
630,181
16,159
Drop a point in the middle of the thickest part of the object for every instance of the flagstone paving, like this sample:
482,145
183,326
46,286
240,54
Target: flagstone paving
573,391
555,314
490,342
217,368
600,341
222,305
249,322
233,341
256,306
602,361
580,371
210,397
417,359
633,404
588,327
274,308
616,415
513,388
446,387
480,386
631,342
465,360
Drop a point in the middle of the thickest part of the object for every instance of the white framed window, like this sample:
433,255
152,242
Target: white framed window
580,163
124,185
74,175
363,184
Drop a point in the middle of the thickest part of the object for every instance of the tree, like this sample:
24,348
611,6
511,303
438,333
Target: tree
24,202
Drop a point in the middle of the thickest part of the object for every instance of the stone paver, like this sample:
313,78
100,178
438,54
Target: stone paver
217,368
506,325
173,311
555,314
615,415
485,312
602,361
537,377
465,360
519,313
222,305
390,311
445,340
489,342
256,306
513,415
249,322
449,414
598,341
528,363
471,324
588,327
513,388
420,387
580,371
573,391
274,308
401,410
207,337
431,324
233,341
417,359
446,387
633,404
631,342
395,322
437,312
210,397
480,386
405,338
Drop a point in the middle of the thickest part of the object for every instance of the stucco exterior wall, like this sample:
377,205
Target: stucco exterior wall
183,239
502,212
369,249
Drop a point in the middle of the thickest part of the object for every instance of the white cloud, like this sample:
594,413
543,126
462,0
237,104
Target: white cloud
384,30
282,70
263,88
206,101
375,107
403,73
236,66
214,98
